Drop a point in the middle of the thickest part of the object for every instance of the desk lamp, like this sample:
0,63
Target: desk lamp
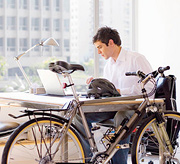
50,41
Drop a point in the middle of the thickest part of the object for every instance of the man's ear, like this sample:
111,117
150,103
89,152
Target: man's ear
111,42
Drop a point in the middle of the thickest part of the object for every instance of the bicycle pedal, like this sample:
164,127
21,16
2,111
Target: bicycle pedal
123,146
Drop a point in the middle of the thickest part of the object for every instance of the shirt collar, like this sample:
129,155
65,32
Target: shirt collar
121,57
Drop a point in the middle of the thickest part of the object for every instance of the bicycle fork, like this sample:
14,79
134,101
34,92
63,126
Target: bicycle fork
162,138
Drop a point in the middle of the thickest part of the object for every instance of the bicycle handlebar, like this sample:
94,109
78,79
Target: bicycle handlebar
143,75
162,69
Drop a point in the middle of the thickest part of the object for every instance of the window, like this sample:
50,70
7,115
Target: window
35,41
11,3
66,45
56,25
57,48
35,25
123,25
46,24
1,23
66,25
23,45
46,4
46,49
11,44
35,4
57,5
23,23
1,44
23,4
1,3
66,6
72,24
11,23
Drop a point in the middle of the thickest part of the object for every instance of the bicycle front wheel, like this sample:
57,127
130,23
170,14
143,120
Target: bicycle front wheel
145,148
37,141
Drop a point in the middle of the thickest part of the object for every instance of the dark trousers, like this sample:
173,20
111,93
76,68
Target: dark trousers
121,155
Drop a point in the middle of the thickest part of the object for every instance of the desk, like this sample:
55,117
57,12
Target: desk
22,99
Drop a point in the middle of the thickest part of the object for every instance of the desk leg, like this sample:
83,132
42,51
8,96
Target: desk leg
64,149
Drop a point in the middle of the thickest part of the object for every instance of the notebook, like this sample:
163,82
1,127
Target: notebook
51,82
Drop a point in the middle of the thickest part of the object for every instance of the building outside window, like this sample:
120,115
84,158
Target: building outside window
35,41
11,3
66,25
1,23
23,23
11,23
1,45
35,4
66,45
70,22
1,3
46,4
56,24
11,44
57,5
23,44
23,4
57,48
66,6
35,24
46,24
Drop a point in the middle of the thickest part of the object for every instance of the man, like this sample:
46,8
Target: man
119,61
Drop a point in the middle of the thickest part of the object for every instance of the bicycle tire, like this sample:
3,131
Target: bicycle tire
145,147
23,147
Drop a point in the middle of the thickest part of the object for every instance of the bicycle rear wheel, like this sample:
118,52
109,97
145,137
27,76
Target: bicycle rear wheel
145,148
36,141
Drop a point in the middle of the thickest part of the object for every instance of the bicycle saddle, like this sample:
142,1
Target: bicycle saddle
64,67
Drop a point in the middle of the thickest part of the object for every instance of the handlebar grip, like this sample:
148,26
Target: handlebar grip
138,73
162,69
131,73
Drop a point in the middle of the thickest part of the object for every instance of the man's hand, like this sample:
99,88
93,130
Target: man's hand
89,80
118,90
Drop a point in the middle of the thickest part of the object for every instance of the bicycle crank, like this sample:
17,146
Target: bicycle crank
100,158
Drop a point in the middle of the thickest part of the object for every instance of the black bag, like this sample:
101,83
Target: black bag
166,88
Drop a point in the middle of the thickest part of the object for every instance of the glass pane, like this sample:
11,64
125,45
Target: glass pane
120,19
70,23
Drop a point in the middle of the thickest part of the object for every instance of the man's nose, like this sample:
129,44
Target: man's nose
99,52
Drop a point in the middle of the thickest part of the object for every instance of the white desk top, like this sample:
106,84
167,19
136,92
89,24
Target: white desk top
22,99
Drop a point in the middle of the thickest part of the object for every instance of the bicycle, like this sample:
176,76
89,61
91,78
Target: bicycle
50,138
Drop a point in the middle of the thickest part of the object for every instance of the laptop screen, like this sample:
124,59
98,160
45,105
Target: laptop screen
51,82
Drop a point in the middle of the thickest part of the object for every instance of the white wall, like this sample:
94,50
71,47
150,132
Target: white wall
159,35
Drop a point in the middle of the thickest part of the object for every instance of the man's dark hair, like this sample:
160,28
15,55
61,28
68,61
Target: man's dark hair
104,34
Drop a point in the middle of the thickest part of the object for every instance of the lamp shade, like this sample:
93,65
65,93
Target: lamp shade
50,41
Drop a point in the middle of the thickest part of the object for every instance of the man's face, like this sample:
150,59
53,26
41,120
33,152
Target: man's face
104,50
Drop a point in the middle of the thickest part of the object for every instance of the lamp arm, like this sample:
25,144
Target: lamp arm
24,74
19,56
20,66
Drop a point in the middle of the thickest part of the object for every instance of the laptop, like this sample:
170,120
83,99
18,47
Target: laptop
51,82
